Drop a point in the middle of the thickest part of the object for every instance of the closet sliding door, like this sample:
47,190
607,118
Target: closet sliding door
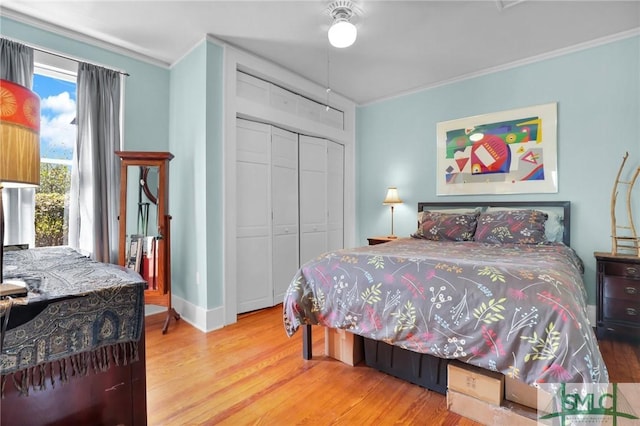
321,196
253,216
335,196
290,208
267,217
313,197
284,198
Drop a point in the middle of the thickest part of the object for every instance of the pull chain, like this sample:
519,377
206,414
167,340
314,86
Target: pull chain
328,82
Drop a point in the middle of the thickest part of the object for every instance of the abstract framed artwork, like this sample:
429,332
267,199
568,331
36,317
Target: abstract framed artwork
507,152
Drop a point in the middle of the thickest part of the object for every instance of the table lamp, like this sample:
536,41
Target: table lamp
392,199
19,153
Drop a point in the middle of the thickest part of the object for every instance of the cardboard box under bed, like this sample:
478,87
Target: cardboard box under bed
421,369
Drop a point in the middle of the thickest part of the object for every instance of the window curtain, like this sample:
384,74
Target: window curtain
16,65
95,178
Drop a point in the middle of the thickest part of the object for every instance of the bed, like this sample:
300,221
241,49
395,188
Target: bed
492,284
72,350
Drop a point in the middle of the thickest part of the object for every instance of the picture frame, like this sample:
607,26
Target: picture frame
134,252
506,152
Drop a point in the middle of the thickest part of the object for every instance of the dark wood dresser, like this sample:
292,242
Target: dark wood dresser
618,295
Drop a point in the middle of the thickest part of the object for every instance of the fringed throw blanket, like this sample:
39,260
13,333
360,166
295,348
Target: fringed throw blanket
80,316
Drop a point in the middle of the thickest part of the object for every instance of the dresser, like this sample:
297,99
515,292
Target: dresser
618,295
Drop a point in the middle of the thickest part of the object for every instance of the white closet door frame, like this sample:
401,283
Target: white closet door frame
235,59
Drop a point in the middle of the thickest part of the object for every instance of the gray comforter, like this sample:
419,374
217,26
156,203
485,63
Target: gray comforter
518,309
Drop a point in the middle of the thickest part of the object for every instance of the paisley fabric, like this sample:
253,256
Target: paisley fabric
518,309
78,312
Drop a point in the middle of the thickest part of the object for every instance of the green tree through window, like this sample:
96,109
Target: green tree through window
57,93
52,199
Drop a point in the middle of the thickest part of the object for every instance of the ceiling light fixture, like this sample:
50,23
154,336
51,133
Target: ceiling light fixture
342,32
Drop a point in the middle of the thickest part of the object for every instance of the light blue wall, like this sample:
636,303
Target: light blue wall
146,105
196,176
177,110
214,175
188,185
598,96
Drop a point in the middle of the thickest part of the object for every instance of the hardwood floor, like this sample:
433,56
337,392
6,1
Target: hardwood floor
252,373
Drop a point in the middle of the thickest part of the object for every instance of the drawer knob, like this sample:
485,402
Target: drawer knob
632,311
631,270
630,290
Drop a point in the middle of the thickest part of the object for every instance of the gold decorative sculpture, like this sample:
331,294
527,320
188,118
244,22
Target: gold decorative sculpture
629,243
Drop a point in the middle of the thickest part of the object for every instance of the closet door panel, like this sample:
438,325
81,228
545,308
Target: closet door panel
285,264
284,181
335,196
313,197
252,199
313,201
284,200
254,269
253,216
312,245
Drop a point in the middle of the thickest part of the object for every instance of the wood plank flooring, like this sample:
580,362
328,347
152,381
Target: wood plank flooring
251,373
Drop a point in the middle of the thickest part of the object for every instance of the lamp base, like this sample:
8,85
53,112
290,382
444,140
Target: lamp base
13,289
391,237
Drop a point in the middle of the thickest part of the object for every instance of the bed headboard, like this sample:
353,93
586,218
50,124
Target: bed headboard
561,208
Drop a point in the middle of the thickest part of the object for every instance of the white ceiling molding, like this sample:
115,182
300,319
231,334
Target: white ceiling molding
505,4
76,36
515,64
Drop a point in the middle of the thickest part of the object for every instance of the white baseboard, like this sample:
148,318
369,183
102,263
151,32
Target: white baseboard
202,319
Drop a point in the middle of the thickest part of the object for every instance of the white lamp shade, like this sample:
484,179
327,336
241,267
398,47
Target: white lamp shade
342,33
392,196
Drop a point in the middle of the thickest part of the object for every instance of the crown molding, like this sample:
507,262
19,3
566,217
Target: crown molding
77,36
527,61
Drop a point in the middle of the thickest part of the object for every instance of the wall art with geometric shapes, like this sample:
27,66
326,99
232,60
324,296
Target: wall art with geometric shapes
507,152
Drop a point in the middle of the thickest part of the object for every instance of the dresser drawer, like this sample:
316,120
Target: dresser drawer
628,270
621,288
621,310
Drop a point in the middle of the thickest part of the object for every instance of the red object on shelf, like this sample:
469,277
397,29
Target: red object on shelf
150,265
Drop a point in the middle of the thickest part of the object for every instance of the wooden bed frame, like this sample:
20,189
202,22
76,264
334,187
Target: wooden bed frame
564,205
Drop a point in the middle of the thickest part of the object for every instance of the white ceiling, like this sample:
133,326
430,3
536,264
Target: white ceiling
402,45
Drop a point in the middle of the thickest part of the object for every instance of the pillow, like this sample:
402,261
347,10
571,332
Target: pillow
553,227
446,226
459,211
512,226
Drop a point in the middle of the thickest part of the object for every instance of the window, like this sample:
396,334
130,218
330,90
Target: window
57,90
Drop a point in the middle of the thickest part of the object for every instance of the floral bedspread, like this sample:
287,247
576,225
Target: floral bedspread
514,308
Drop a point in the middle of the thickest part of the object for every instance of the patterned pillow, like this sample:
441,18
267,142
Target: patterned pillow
512,226
446,226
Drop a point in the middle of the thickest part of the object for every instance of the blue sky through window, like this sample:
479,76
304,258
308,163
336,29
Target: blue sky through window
57,111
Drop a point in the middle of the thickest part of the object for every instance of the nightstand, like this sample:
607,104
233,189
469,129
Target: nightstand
380,240
618,295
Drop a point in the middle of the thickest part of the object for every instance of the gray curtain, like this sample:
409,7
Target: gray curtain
16,65
95,178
